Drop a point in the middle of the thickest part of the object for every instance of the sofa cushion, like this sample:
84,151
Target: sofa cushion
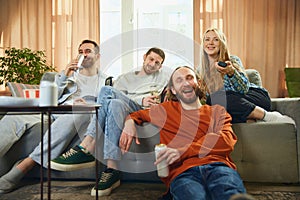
16,89
254,76
263,151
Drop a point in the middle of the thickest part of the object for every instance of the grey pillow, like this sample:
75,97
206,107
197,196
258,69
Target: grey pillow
16,89
254,76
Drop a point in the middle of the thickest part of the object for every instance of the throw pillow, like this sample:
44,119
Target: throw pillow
254,77
16,89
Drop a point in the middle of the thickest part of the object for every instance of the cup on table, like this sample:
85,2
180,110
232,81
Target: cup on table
31,93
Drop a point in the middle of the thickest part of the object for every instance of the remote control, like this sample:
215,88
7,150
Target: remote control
222,64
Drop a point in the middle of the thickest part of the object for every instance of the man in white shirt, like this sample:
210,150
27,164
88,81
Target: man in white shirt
74,86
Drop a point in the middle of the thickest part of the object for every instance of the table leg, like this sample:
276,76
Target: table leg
96,155
42,157
49,155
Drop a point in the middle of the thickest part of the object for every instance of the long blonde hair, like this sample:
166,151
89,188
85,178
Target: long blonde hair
213,79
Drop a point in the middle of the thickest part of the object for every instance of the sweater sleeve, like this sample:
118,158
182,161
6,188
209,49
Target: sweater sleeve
140,116
238,82
62,81
156,115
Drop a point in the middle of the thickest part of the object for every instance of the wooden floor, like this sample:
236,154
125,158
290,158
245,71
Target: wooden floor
80,190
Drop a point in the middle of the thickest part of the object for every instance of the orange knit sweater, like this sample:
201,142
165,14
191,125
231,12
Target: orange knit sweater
202,136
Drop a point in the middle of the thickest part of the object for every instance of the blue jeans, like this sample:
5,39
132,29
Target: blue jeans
213,181
115,107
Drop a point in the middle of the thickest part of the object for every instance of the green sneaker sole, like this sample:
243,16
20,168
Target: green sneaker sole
71,167
107,191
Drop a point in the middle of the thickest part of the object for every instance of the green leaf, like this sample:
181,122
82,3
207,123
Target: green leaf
23,66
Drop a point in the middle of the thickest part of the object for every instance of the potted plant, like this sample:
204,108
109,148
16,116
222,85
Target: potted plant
292,81
23,66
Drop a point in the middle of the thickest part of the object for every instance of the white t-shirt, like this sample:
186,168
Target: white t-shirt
88,88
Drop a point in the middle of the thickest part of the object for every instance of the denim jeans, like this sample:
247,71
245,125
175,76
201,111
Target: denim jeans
115,107
213,181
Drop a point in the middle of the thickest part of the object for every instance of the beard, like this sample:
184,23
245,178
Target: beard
89,62
188,100
149,69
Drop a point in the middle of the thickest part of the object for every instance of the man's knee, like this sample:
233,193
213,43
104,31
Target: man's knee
117,105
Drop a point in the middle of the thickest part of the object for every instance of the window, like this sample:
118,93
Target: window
129,28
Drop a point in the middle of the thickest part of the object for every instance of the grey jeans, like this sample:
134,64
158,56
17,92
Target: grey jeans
12,127
63,129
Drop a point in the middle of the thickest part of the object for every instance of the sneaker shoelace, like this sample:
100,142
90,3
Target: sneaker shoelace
69,153
105,176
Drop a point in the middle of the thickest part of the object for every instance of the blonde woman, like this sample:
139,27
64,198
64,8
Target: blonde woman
229,86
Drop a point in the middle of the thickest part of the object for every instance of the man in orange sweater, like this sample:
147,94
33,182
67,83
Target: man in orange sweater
199,141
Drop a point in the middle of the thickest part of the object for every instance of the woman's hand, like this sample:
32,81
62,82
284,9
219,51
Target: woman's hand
229,69
129,132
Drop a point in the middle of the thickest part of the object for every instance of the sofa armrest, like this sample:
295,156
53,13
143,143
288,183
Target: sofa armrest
290,107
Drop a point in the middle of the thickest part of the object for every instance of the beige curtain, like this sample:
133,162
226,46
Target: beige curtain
55,26
26,23
265,34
